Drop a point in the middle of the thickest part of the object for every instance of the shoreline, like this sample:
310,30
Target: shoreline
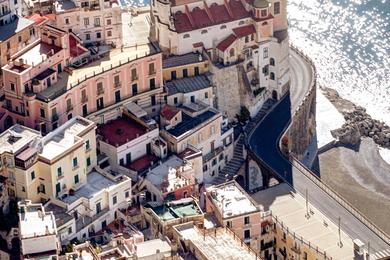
356,160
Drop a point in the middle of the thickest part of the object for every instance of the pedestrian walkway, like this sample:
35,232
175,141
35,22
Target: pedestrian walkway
231,169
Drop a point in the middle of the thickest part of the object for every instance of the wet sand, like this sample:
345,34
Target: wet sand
362,177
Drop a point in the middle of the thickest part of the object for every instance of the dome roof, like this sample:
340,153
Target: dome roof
260,4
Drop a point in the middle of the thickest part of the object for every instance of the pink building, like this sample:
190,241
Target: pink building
57,79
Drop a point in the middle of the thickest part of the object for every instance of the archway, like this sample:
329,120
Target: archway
275,94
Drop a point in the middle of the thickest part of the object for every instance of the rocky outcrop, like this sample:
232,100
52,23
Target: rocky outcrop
358,123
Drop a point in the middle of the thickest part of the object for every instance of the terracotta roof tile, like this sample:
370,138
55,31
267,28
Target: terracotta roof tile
223,45
168,112
244,30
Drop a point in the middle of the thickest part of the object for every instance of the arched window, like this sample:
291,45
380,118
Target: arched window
265,23
272,62
272,76
222,27
231,52
187,35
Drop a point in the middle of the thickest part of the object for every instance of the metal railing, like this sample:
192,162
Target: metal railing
310,175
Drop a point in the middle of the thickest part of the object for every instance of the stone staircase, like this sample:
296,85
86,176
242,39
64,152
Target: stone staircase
231,169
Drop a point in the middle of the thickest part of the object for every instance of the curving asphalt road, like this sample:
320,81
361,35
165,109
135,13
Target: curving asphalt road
264,142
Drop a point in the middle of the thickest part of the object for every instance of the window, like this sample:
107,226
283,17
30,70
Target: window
19,38
229,224
272,62
117,96
97,22
265,53
75,162
272,76
104,224
231,52
87,36
134,89
83,95
117,80
41,189
114,200
98,35
122,161
66,20
192,99
86,22
263,13
68,104
222,27
185,73
151,69
76,179
246,39
58,188
175,100
133,74
127,194
206,95
98,208
247,234
266,70
252,37
187,35
108,21
70,230
32,175
85,110
88,161
99,87
221,157
152,83
100,103
87,145
212,130
246,221
214,162
196,71
42,112
8,45
59,172
203,32
23,189
153,100
173,75
205,167
12,85
109,33
277,8
128,158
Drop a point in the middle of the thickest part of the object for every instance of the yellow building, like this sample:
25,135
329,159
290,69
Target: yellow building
46,167
15,36
182,66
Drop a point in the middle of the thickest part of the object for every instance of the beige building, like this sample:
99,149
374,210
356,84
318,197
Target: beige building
235,209
201,127
40,168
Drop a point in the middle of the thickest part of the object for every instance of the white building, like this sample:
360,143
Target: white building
37,232
93,21
90,208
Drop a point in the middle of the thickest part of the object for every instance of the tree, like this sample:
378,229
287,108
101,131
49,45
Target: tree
245,115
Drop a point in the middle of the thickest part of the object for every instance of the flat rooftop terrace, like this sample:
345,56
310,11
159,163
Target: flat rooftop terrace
232,199
16,138
64,137
112,59
189,123
121,131
38,53
290,208
176,209
215,245
33,222
96,183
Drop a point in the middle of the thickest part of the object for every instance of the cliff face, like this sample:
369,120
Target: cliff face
303,127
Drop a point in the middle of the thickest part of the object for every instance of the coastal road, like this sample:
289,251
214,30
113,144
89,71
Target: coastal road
264,142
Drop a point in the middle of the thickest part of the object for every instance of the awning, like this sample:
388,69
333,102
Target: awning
136,110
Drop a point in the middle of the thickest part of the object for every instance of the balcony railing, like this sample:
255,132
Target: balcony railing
100,91
117,84
134,77
84,99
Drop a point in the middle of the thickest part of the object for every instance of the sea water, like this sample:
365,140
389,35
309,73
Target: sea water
349,41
